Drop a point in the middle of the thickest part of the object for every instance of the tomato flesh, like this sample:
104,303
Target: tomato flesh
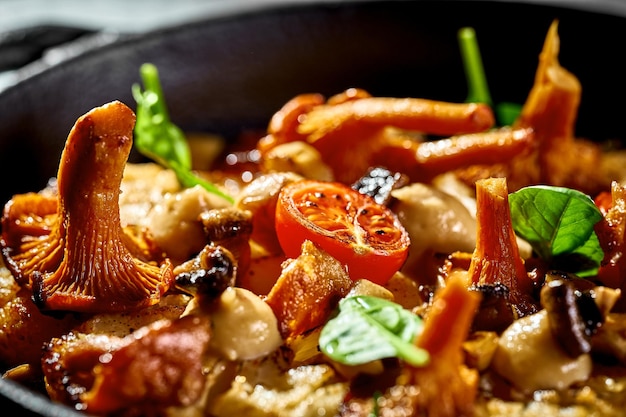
365,236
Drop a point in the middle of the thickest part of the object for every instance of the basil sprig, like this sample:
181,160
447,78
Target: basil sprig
559,224
370,328
158,138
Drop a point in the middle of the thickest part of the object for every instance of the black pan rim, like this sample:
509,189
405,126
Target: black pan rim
243,9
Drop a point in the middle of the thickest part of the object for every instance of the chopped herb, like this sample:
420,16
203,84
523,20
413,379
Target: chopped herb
158,138
559,225
370,328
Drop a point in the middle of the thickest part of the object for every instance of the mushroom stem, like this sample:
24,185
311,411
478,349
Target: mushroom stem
496,258
96,272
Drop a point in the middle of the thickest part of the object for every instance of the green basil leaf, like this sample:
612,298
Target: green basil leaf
370,328
557,222
158,138
155,135
587,257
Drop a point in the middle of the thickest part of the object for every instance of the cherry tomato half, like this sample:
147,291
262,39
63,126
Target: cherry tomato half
365,236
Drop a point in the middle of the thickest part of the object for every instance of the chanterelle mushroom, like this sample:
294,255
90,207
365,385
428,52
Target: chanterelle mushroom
72,253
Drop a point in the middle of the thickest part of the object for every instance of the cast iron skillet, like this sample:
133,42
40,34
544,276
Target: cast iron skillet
231,72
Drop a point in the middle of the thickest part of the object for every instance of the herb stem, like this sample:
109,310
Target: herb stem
478,90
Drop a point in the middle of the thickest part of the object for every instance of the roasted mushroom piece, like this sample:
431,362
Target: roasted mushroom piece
573,315
496,259
73,253
230,228
554,156
208,274
353,131
495,312
159,365
163,363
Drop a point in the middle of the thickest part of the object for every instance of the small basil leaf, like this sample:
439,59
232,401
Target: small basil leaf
155,135
158,138
369,328
556,221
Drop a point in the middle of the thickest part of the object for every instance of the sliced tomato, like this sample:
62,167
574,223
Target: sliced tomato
365,236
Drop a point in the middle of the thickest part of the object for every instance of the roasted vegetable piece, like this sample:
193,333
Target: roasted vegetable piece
231,229
34,216
551,110
437,157
557,157
68,361
418,390
551,107
308,291
160,366
79,262
496,258
208,274
385,131
436,117
283,126
495,312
